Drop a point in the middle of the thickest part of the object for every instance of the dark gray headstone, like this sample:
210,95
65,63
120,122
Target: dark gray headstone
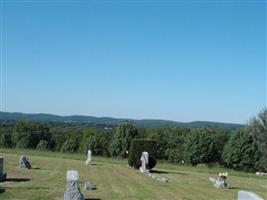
2,173
72,191
24,162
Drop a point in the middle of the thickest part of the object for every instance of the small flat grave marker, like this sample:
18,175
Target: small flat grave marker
244,195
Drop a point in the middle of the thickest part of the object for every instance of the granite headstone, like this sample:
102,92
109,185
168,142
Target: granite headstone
72,191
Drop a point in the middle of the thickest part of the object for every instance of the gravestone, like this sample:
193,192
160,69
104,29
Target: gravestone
144,160
2,173
220,183
159,178
72,191
89,186
89,158
24,162
261,174
243,195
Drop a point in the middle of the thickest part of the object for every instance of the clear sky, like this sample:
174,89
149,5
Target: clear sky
139,59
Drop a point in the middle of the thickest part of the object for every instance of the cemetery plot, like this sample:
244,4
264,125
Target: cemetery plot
115,180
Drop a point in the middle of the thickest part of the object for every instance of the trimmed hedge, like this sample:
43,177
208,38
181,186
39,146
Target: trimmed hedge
136,149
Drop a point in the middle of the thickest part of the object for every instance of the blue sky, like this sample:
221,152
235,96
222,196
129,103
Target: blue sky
154,59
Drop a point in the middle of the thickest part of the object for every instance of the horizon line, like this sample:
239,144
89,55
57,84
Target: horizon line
123,118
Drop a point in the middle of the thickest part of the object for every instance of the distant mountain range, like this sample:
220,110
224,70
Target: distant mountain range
152,123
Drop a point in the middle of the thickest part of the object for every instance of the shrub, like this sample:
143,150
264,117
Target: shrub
6,140
241,152
23,143
170,142
200,147
42,145
175,155
258,130
136,149
34,132
70,146
122,139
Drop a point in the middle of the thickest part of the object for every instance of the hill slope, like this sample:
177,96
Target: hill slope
109,120
115,180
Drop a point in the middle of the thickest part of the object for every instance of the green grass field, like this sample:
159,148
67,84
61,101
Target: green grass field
115,180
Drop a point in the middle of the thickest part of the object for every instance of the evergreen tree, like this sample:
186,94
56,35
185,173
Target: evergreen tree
122,139
241,152
258,130
200,147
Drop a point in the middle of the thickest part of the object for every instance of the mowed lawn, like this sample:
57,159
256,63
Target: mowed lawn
115,180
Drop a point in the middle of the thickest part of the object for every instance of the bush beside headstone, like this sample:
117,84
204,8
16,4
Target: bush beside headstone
137,147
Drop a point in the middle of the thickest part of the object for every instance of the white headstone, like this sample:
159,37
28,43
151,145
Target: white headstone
144,160
89,158
243,195
261,174
2,173
72,191
72,175
220,183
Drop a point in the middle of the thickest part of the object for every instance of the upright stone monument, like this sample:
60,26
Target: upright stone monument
89,158
144,161
24,162
243,195
2,173
72,191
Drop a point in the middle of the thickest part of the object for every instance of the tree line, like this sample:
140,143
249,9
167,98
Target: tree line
241,149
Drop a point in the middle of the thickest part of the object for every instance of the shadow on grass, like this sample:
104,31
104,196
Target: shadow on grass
158,171
92,199
18,179
99,164
235,188
166,172
246,189
2,190
27,188
37,168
